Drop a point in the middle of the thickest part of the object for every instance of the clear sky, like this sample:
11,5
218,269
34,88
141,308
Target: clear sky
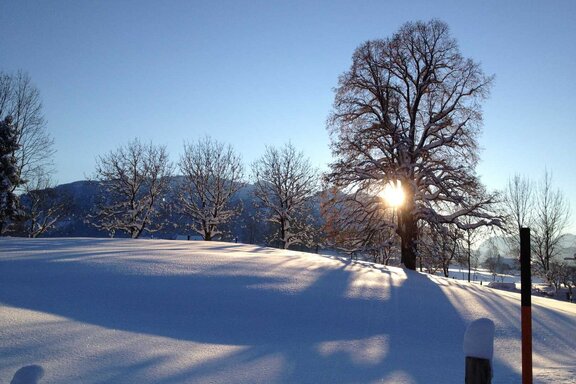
257,73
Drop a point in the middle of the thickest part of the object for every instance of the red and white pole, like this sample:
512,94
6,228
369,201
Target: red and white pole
526,300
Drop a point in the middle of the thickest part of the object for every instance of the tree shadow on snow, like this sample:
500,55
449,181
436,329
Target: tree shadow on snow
406,332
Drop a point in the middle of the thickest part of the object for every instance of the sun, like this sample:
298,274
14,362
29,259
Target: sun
393,194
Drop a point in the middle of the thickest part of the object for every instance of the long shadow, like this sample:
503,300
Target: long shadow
428,323
415,320
551,330
187,307
62,248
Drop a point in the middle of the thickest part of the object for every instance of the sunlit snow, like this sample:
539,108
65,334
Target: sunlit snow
152,311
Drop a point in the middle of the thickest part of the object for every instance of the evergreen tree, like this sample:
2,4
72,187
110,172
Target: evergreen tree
9,175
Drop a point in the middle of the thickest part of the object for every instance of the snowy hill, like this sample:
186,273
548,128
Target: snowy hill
151,311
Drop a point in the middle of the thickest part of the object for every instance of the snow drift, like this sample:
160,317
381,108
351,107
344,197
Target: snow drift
149,311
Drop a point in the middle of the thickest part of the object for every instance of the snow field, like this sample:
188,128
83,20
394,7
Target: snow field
152,311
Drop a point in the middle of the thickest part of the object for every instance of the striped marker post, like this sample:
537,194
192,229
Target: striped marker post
526,299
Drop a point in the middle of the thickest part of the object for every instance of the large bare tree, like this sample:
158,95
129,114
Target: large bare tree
20,99
284,184
409,109
135,177
213,173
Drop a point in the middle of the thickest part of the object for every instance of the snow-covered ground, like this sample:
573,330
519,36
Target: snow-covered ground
485,276
150,311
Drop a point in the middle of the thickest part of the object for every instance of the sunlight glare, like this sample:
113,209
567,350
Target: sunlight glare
393,194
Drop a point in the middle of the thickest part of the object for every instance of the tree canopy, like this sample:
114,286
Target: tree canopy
409,110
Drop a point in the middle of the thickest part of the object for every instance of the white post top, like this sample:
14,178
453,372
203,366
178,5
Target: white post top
479,339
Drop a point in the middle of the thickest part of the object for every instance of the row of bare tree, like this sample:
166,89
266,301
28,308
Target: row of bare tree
137,181
544,209
137,177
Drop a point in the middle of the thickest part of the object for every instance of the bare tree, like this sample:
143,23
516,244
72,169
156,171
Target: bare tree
42,207
557,274
468,240
213,173
440,246
518,205
285,182
20,99
409,110
493,262
568,278
359,223
550,222
135,177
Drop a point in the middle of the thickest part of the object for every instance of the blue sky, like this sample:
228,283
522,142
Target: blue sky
257,73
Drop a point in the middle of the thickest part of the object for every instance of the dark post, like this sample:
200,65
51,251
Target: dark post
526,300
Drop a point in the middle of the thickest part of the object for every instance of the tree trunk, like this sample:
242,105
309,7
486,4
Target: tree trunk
283,239
408,232
469,267
469,254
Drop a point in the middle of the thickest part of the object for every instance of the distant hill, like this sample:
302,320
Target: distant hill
569,246
500,245
82,197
